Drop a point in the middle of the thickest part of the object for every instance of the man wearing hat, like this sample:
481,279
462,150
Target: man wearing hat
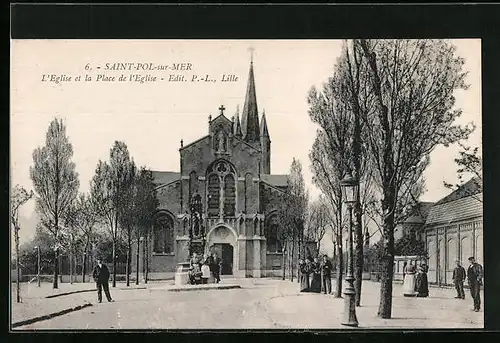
458,280
101,277
475,279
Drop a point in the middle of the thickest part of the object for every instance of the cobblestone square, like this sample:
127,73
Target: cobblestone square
258,304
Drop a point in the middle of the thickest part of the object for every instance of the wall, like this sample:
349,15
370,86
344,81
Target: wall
447,243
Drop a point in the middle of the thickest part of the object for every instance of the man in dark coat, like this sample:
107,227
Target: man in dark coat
475,279
326,270
458,280
101,277
216,267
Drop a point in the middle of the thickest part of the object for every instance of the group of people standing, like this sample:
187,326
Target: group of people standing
415,281
205,269
474,277
315,276
416,284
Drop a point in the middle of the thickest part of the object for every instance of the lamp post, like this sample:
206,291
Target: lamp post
139,241
349,187
37,265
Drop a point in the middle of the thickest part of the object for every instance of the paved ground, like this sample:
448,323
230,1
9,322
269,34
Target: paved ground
259,303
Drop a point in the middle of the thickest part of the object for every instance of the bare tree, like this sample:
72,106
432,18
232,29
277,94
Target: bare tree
109,191
293,212
411,84
55,182
18,197
318,221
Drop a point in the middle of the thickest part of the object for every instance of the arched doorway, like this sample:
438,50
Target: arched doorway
222,240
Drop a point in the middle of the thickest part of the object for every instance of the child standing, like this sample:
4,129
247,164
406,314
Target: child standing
205,272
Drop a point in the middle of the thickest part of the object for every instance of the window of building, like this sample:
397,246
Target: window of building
272,227
163,234
229,195
213,194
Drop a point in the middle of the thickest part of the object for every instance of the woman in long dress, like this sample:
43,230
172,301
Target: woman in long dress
421,284
316,277
304,276
409,281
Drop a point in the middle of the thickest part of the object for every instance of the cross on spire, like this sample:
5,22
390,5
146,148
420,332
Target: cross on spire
221,109
251,49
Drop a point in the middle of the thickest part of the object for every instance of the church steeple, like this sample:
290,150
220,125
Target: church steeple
237,125
263,126
250,117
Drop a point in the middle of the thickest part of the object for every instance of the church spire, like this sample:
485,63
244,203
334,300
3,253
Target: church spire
250,116
237,125
263,126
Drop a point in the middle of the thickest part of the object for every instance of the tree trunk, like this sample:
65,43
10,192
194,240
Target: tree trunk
56,268
147,259
385,306
137,260
292,260
129,257
18,277
114,261
283,252
340,271
71,265
84,267
358,253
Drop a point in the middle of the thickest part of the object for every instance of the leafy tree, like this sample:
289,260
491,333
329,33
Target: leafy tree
408,245
145,204
19,196
293,214
469,164
82,220
55,182
408,91
110,191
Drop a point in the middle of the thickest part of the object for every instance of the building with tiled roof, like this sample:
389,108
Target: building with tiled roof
454,231
229,172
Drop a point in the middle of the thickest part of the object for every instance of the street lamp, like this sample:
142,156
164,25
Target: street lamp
37,265
139,241
349,187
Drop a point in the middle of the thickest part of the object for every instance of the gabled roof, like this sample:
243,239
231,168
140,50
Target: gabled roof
165,177
471,187
194,142
275,180
455,210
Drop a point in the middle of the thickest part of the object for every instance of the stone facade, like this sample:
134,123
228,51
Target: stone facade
452,230
229,171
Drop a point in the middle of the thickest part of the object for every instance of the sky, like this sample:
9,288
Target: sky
152,117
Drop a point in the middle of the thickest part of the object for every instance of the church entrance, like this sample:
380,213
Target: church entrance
225,251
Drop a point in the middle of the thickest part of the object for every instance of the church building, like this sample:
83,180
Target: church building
223,199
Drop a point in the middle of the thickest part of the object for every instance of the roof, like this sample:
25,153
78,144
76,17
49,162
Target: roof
275,180
420,213
471,187
165,177
455,210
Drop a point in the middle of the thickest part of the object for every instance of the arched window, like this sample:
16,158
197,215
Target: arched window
272,227
465,249
221,171
163,239
213,195
229,195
